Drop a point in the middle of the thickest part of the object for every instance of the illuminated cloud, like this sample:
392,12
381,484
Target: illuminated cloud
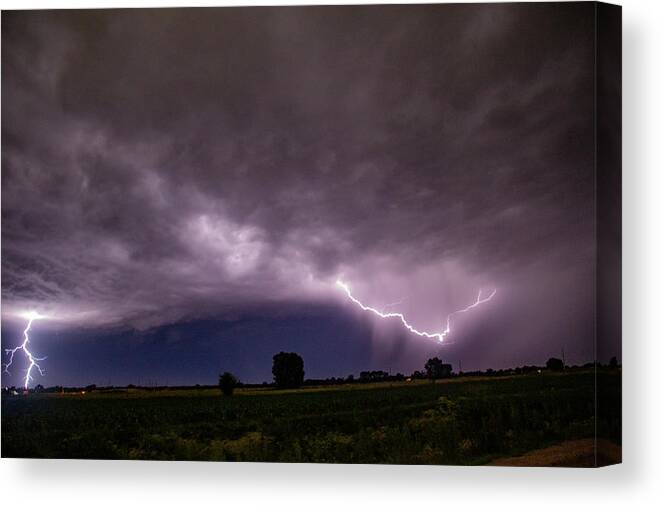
164,165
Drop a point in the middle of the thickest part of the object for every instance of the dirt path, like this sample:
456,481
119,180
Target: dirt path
572,453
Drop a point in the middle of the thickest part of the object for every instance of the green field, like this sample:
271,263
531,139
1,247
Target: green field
457,421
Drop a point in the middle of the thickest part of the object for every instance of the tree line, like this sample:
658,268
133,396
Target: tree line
288,372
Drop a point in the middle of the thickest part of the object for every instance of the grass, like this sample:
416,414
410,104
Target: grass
460,421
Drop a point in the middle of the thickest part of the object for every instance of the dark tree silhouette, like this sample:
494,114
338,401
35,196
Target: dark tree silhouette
436,369
288,370
373,376
613,362
227,382
555,364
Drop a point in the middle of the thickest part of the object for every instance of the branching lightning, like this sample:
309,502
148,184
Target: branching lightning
394,303
439,335
33,362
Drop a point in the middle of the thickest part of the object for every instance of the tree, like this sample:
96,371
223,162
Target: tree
227,382
613,362
288,370
555,364
373,376
436,369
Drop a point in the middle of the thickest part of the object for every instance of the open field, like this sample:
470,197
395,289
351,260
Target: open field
459,421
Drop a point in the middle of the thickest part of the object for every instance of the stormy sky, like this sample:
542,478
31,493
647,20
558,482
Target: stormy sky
181,188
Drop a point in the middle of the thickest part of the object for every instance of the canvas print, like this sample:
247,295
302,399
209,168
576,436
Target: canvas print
383,234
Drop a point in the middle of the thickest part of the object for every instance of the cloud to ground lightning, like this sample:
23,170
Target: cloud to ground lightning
439,335
33,362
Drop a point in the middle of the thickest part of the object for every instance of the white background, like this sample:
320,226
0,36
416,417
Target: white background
636,482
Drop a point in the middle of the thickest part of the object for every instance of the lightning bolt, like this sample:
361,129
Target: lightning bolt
33,362
440,335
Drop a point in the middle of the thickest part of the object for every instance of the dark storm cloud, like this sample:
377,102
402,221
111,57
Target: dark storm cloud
177,163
